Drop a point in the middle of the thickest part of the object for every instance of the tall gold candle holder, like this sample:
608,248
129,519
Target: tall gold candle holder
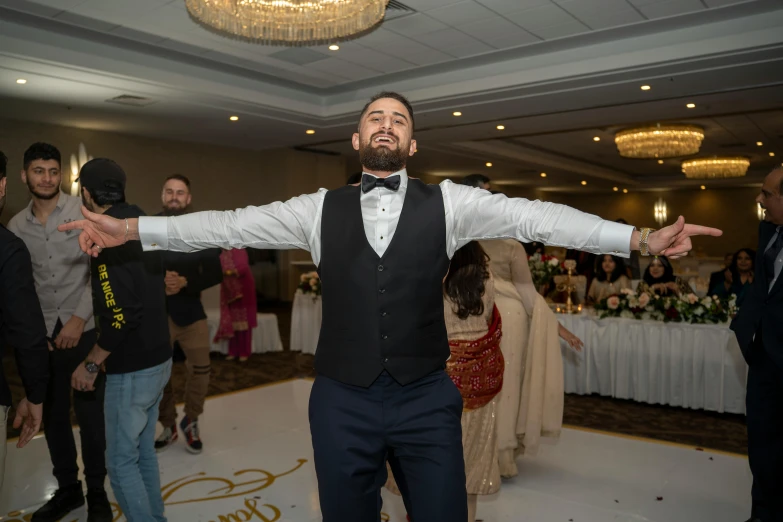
569,287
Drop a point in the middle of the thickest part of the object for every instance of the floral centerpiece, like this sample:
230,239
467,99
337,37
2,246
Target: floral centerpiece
309,283
543,268
687,308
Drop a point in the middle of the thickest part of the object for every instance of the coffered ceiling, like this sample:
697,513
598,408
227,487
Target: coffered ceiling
555,73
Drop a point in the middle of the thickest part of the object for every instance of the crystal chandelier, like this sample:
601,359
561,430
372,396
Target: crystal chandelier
288,22
716,167
660,212
659,141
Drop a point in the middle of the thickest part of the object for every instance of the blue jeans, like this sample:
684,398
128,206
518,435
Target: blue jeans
131,412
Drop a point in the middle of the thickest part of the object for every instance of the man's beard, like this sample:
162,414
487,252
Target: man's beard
87,204
177,211
42,196
383,159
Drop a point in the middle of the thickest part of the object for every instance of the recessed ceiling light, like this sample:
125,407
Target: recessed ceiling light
334,47
489,164
584,183
646,87
309,131
596,138
233,118
759,144
691,105
625,191
456,113
703,187
21,81
500,127
543,174
772,154
660,162
615,189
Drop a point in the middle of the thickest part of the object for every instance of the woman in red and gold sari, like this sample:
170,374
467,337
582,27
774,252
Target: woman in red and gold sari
476,366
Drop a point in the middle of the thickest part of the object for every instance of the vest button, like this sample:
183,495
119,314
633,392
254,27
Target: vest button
380,268
382,290
385,360
385,337
383,314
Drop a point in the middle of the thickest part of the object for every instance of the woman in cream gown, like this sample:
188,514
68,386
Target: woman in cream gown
525,411
476,367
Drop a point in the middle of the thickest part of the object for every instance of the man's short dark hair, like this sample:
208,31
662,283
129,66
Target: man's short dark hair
179,177
475,180
3,164
394,96
41,151
103,198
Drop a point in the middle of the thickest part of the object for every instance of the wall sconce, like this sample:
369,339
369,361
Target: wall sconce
659,211
759,212
76,166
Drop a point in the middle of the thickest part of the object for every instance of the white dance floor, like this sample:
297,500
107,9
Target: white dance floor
257,465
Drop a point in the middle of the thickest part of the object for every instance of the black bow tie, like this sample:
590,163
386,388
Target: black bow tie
370,182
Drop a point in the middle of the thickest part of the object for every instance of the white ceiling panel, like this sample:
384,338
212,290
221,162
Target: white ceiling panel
454,42
61,4
536,18
722,3
671,8
562,30
414,25
138,36
602,20
509,6
355,53
461,13
410,51
581,8
426,5
499,33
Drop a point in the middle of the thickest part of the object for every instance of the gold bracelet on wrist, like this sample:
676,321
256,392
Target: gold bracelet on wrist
643,237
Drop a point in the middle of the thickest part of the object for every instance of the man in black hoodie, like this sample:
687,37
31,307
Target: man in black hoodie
129,306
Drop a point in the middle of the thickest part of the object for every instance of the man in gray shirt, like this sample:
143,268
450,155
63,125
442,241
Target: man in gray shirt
62,280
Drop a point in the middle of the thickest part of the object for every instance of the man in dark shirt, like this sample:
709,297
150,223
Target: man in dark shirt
22,327
133,343
187,275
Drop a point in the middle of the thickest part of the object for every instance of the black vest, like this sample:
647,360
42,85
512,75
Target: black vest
382,313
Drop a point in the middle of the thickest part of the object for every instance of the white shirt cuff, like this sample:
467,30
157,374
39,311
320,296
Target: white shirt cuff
615,239
154,232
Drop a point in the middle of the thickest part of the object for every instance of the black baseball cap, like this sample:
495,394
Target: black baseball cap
102,174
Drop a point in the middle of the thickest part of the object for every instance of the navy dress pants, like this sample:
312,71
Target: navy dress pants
415,427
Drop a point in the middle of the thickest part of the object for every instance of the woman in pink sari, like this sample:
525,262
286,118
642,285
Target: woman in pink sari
237,304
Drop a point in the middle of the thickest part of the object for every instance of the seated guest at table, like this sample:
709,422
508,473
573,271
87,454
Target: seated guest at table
238,309
631,263
659,279
609,279
718,277
534,247
739,277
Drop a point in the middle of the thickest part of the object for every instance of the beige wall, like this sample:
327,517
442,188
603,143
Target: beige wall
222,178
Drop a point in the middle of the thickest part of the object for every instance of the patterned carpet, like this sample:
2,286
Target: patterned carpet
697,428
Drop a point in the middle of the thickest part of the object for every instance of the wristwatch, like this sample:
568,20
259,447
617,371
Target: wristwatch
91,367
643,237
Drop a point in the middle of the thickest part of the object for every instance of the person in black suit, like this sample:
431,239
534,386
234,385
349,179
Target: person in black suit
759,332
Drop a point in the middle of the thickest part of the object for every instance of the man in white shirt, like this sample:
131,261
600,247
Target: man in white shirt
382,250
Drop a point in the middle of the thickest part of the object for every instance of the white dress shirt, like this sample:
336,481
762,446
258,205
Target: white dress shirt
471,214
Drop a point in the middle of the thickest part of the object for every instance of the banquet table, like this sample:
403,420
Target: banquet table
687,365
266,336
305,323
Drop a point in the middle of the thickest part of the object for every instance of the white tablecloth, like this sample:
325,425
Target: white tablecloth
266,336
305,323
693,366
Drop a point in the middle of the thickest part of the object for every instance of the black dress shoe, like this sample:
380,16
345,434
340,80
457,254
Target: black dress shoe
63,502
98,507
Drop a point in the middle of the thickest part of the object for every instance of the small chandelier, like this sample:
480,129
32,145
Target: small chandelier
660,212
716,167
659,141
288,22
